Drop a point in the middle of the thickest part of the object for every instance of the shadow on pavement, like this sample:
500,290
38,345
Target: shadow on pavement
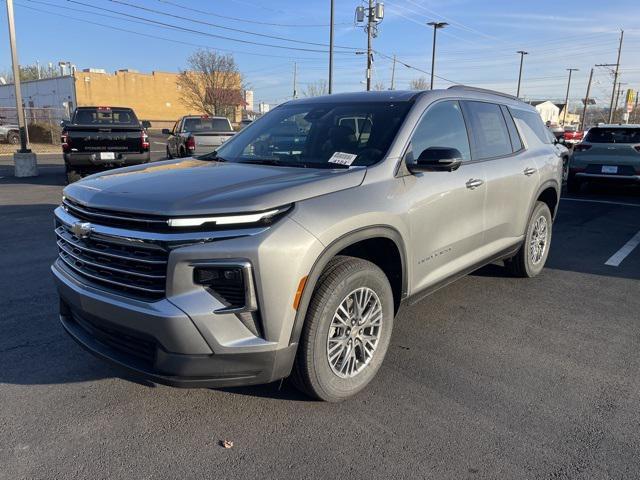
48,174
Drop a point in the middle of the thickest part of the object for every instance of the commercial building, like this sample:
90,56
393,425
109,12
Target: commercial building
155,97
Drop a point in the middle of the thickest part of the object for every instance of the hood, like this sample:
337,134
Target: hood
194,187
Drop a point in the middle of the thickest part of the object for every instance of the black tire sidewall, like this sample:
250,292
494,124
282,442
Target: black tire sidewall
331,386
531,268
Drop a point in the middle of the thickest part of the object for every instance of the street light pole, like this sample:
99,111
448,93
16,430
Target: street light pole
331,49
436,26
24,160
370,22
566,99
522,54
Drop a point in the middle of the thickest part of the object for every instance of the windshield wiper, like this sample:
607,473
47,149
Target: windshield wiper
212,156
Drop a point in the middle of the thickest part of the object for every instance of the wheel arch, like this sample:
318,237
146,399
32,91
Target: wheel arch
342,245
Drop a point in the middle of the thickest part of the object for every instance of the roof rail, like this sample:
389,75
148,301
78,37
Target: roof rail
481,90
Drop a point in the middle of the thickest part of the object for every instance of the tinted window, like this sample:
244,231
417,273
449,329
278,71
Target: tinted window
516,142
613,135
531,125
105,116
309,134
206,125
488,130
441,126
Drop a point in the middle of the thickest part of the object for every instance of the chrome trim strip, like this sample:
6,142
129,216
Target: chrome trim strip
99,279
610,175
67,204
101,252
113,269
170,239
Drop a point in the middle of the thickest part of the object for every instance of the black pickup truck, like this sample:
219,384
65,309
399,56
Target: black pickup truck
100,138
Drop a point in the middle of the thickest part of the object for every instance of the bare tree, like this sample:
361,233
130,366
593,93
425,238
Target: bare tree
420,83
379,86
317,88
212,83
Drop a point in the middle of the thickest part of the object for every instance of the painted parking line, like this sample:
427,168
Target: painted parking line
158,143
616,259
608,202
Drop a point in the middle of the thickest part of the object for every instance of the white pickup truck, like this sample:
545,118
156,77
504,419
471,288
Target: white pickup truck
197,135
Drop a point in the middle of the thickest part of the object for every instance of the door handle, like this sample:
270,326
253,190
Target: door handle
529,171
473,183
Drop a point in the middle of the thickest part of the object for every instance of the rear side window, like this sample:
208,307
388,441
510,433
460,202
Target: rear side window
105,116
613,135
488,130
205,124
442,126
531,124
516,142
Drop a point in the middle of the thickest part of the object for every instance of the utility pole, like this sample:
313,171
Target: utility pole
522,54
615,76
436,26
393,73
586,102
370,24
617,102
24,160
374,15
295,75
331,49
566,99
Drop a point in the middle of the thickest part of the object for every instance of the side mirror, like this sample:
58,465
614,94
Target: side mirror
64,123
437,159
166,131
146,124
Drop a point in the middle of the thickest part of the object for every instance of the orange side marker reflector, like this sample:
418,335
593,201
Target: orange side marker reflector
296,299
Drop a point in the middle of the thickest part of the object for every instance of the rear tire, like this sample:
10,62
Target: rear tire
72,175
347,330
530,259
13,138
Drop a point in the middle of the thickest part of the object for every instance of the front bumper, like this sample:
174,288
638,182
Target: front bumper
149,341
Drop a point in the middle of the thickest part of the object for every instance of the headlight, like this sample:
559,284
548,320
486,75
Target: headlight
259,218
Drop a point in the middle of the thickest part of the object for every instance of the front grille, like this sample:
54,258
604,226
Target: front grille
132,268
131,344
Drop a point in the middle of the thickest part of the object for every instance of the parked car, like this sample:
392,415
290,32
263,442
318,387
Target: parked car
197,135
608,153
102,138
556,129
572,135
247,265
10,133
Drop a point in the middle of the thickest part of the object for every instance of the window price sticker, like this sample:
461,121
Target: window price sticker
342,158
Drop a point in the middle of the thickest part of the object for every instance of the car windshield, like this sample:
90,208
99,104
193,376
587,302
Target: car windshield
613,135
105,116
319,135
205,124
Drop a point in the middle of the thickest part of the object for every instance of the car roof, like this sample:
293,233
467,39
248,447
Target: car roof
410,95
617,125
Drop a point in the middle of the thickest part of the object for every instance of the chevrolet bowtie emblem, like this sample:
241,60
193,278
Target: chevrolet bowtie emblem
81,229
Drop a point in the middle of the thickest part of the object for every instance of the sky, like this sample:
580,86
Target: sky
477,48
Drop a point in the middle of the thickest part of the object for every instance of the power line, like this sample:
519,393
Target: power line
148,35
214,25
255,22
199,32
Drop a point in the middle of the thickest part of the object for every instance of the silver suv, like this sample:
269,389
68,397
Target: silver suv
290,249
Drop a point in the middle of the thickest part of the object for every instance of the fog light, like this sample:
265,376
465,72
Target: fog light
230,284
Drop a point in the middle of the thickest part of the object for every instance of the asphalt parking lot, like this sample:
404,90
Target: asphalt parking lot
491,377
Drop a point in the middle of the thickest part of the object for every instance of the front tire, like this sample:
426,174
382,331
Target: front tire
169,156
530,259
13,138
347,330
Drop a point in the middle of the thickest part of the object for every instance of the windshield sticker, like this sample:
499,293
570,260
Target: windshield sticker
342,158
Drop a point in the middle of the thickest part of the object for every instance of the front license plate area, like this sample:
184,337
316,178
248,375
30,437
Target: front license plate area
609,169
